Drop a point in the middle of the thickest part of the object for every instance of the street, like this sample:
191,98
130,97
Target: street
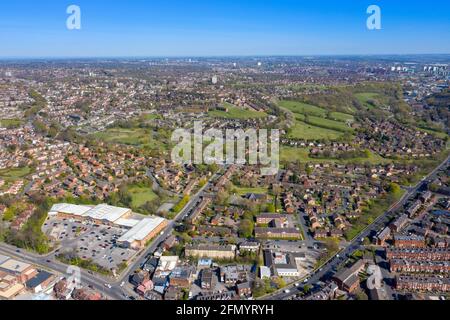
326,271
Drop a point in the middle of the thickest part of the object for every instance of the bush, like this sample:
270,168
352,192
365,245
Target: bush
181,204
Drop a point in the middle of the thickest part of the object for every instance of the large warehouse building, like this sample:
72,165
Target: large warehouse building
139,231
101,214
143,232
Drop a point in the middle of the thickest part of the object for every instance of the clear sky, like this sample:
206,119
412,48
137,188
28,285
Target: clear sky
37,28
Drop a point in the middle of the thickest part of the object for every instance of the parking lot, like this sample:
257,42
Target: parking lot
90,241
62,230
99,245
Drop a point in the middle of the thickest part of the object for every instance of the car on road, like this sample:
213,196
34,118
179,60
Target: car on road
287,291
107,285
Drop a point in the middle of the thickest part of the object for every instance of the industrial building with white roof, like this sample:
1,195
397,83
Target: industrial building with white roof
139,232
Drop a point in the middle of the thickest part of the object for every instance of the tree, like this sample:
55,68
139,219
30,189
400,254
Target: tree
279,282
222,198
271,208
394,188
246,228
307,289
331,245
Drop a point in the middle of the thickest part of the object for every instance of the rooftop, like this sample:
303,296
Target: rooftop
141,230
15,266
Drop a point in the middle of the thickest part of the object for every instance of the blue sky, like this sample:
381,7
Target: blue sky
33,28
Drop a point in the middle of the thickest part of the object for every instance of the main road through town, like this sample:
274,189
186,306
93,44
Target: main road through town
117,288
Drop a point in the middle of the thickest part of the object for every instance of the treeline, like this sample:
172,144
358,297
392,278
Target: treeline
341,155
31,237
440,100
343,99
38,104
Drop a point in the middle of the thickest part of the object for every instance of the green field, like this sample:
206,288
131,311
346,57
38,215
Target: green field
10,123
243,191
329,124
438,134
237,113
14,174
150,116
365,97
141,195
131,137
301,130
302,108
289,154
344,117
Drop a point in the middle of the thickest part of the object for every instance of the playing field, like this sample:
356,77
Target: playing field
10,123
344,117
14,174
243,191
141,195
365,97
150,116
302,108
301,130
329,124
289,154
237,113
132,137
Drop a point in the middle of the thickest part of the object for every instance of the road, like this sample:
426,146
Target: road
143,255
114,289
326,272
96,282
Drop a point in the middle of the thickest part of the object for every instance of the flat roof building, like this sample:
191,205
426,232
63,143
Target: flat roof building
101,213
40,282
3,259
142,232
21,270
211,251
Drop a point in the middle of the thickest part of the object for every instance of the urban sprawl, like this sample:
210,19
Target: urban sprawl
87,181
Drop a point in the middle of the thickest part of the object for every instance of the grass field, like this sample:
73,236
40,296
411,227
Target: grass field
14,174
329,124
237,113
289,154
150,116
10,123
344,117
132,137
243,191
141,195
438,134
303,108
365,97
301,130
